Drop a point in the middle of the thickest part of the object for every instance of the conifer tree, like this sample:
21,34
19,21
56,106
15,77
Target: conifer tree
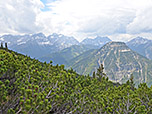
6,46
132,82
100,72
1,44
94,75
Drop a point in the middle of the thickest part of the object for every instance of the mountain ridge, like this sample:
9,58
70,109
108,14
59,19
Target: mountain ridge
37,45
97,41
142,46
119,62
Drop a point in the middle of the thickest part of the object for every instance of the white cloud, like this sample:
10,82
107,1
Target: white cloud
110,24
19,16
84,18
142,23
79,18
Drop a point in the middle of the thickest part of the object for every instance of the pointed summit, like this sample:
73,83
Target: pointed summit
40,35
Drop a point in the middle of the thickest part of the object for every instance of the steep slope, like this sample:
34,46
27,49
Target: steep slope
119,62
142,46
28,86
63,56
98,41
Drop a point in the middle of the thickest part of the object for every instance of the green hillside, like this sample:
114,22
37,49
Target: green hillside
28,86
119,62
63,56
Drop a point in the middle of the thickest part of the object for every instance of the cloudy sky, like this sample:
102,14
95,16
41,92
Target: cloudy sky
118,19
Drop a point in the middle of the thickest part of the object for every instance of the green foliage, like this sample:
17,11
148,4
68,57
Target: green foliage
28,86
100,72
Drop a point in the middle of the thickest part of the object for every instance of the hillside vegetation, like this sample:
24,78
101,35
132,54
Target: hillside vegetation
28,86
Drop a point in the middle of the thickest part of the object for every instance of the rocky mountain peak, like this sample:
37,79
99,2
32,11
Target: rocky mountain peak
115,46
138,41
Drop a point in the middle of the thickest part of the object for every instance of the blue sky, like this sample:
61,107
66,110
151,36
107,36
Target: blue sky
120,20
45,2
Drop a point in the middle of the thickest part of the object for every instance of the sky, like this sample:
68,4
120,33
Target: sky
120,20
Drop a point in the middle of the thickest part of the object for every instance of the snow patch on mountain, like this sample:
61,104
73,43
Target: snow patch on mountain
44,43
52,36
21,43
1,39
138,41
60,35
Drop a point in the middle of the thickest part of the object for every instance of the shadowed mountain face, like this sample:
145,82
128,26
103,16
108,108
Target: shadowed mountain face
63,56
119,62
142,46
38,45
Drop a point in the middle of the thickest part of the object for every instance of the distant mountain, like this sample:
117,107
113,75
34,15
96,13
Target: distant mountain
119,62
98,41
142,46
60,41
63,56
38,45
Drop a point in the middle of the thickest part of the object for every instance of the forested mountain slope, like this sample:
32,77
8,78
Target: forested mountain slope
28,86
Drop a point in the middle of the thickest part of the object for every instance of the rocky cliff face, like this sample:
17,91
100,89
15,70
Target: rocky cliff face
119,62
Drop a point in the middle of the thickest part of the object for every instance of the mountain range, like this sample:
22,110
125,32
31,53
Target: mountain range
38,45
119,62
142,46
120,59
63,56
41,46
